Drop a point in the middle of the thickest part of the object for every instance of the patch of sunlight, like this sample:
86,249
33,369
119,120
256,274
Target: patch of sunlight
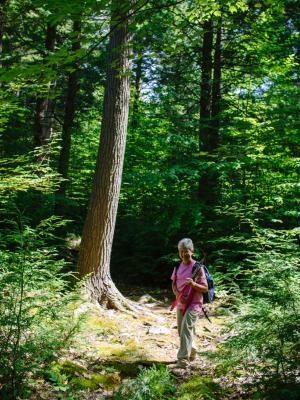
100,324
92,382
129,350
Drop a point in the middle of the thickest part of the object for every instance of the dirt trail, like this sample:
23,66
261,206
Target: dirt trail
151,338
113,345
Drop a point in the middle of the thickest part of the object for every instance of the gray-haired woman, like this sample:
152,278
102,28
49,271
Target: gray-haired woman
189,307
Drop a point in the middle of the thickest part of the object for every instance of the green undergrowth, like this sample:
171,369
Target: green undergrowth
126,369
277,391
154,383
200,388
38,300
67,375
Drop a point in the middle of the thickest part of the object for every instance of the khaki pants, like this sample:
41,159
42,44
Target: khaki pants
186,329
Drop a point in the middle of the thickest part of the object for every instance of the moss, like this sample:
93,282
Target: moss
111,379
62,371
126,369
200,388
74,374
128,350
70,368
84,383
102,325
108,381
111,349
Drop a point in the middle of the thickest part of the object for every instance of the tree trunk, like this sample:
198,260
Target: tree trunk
2,19
63,163
45,105
205,183
95,252
137,93
216,89
206,85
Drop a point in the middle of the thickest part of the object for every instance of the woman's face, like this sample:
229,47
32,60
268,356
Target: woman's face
185,255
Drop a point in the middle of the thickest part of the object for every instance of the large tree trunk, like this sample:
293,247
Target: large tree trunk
63,163
45,103
98,232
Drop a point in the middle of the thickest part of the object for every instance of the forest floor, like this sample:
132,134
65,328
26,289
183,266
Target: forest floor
112,346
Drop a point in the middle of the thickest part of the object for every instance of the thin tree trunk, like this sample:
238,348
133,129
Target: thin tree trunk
205,189
216,89
45,104
63,163
98,232
137,93
2,21
206,85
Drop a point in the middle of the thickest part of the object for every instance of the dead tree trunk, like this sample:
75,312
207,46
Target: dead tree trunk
63,163
98,232
45,103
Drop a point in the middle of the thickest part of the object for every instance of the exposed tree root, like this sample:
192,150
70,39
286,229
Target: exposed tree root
117,301
104,292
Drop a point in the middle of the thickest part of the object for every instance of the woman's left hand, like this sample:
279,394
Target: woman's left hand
190,282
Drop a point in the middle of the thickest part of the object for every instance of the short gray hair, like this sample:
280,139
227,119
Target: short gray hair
186,243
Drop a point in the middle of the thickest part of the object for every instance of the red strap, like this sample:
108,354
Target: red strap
189,297
187,302
178,298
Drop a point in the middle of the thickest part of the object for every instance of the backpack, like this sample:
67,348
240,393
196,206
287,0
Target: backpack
210,295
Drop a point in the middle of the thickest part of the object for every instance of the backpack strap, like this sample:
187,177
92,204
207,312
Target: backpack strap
176,269
196,270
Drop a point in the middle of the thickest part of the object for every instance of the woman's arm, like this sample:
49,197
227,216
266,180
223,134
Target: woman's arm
174,288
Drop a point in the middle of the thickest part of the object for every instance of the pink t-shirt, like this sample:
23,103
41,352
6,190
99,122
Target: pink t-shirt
184,272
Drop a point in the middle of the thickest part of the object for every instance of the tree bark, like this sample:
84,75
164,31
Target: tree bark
63,163
45,104
98,232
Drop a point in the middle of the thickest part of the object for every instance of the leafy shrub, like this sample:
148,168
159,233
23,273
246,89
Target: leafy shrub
36,316
155,383
274,390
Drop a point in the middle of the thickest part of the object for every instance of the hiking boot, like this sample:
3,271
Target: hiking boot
182,363
193,354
